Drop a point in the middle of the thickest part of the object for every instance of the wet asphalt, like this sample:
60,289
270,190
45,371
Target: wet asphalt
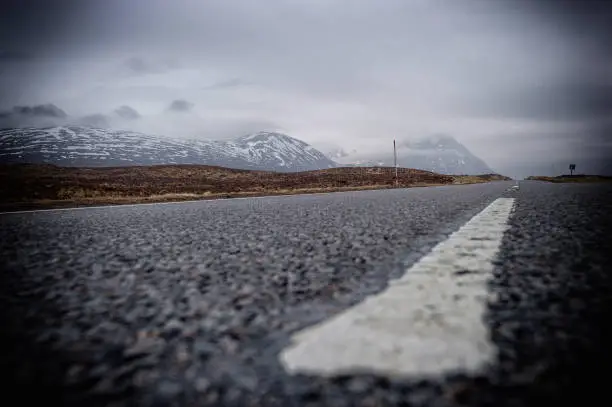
189,304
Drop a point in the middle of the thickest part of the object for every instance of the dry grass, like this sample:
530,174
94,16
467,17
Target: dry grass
36,186
572,178
476,179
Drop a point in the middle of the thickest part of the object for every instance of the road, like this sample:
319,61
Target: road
256,301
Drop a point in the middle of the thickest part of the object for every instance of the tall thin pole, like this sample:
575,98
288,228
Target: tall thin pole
395,161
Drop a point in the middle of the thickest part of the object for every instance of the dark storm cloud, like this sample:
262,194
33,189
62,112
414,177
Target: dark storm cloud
39,27
583,93
346,72
47,110
127,112
25,116
11,56
586,18
95,120
600,136
180,105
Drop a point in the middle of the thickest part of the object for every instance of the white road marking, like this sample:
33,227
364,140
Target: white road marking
514,187
426,323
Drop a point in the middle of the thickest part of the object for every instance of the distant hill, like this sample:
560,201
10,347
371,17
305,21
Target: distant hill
35,186
440,154
80,146
571,178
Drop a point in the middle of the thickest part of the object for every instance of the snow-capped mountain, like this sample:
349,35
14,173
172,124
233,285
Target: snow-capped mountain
278,151
270,151
86,146
441,154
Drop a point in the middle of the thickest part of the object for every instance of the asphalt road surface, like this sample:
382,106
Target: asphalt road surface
458,295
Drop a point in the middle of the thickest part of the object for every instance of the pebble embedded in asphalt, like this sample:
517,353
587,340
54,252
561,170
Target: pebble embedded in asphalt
190,304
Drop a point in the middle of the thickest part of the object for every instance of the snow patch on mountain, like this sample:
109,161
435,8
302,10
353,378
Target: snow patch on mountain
442,154
87,146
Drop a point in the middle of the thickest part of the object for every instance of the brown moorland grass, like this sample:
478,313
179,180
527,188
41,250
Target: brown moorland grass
27,186
571,178
475,179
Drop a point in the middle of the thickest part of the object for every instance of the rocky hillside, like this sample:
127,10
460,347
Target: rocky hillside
94,147
439,154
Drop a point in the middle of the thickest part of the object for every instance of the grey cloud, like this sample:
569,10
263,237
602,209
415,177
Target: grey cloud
342,153
230,83
95,120
546,101
47,110
601,132
180,105
585,17
550,153
337,153
143,66
240,127
10,56
215,128
37,115
127,112
349,71
139,66
8,121
426,140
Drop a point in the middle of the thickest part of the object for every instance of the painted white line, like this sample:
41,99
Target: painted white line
426,323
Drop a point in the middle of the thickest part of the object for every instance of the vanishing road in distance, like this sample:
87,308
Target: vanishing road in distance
490,294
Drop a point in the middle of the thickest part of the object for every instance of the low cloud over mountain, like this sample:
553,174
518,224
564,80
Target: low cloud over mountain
180,105
439,153
95,120
49,114
522,83
37,115
141,66
127,112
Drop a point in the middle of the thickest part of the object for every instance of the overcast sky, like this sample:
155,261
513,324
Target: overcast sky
524,85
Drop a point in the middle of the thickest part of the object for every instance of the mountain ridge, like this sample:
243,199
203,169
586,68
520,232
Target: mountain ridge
90,146
441,154
85,146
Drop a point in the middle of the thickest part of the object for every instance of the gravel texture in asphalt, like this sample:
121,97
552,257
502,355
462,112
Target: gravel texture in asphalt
190,304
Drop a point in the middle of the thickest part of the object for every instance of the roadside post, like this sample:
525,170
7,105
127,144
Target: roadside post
395,162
